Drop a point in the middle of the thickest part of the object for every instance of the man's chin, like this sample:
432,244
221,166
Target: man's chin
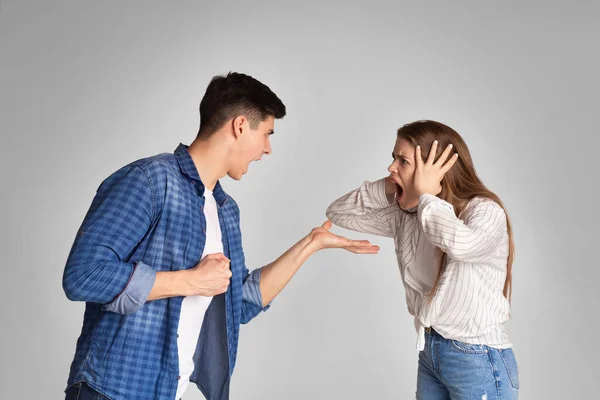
238,174
235,176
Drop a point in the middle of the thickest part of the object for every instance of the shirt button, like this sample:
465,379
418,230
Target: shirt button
179,377
204,231
194,183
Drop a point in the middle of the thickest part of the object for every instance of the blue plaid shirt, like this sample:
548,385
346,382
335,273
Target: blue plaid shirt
148,217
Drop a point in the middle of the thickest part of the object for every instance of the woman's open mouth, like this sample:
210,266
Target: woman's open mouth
399,191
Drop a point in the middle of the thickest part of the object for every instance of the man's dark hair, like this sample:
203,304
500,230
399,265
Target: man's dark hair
236,94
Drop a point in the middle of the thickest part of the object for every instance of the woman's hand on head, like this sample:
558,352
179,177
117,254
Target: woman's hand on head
429,174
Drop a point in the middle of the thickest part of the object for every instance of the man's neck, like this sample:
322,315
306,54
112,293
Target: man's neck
209,157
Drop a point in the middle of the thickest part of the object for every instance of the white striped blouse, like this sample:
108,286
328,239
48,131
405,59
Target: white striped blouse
469,304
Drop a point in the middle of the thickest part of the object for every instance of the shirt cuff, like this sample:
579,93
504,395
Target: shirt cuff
427,199
251,289
135,293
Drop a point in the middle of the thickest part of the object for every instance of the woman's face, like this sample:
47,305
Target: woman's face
402,171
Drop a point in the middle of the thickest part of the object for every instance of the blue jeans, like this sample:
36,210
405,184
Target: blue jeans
453,370
81,391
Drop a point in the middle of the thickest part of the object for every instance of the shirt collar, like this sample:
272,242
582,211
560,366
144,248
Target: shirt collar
188,168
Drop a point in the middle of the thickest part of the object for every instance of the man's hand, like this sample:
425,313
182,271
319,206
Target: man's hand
210,276
322,238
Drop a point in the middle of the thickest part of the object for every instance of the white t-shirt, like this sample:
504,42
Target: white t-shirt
193,308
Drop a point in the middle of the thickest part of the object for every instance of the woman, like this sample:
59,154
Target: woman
454,246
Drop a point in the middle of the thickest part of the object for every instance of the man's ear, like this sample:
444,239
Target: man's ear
239,125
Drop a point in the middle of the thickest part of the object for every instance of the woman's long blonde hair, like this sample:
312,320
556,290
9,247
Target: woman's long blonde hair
460,184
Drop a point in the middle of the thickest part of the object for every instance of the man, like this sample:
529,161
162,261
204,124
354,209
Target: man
159,261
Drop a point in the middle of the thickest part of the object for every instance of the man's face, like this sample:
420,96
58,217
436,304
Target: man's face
251,145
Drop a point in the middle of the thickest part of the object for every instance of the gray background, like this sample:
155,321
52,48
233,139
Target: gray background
86,87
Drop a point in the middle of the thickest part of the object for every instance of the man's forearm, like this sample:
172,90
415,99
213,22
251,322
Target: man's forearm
275,276
169,284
